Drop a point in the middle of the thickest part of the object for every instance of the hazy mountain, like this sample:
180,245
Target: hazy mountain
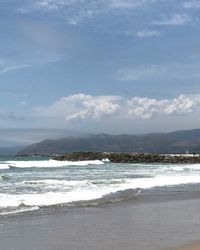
174,142
13,140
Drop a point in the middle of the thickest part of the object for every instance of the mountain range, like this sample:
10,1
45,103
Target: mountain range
173,142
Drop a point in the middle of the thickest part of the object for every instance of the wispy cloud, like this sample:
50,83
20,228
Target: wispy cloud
77,11
54,5
73,11
80,17
12,93
38,58
140,73
50,4
148,33
43,5
170,72
14,67
130,4
175,19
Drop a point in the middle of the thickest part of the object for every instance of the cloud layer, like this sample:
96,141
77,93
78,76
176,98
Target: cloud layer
87,108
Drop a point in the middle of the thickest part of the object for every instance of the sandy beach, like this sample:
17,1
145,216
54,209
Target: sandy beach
155,223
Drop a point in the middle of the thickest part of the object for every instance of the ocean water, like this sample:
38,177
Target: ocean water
31,183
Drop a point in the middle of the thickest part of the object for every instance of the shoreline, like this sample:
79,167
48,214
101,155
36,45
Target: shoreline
159,222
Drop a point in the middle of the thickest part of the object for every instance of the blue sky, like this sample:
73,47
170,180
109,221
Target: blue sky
116,66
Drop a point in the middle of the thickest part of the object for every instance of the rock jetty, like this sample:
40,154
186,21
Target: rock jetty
130,157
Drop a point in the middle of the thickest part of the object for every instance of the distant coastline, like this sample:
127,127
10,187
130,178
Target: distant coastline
177,142
130,157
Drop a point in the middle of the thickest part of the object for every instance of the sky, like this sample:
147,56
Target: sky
106,66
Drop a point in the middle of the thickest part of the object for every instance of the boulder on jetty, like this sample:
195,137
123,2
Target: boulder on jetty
130,157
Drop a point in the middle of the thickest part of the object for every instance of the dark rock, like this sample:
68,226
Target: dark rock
130,157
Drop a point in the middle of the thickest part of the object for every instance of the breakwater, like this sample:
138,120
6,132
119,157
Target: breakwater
130,157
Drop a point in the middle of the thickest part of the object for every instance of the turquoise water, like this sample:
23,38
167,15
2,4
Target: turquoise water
29,183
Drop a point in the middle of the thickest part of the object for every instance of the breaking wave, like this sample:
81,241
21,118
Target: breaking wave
44,183
64,192
46,164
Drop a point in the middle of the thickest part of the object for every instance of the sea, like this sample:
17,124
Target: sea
33,183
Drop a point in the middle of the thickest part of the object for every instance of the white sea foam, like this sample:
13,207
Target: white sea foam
19,209
49,198
49,183
47,164
27,189
106,160
4,166
85,191
156,169
160,181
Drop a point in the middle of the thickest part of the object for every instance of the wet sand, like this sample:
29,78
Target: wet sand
195,246
148,223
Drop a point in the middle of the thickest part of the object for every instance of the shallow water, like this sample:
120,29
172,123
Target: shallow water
157,225
31,183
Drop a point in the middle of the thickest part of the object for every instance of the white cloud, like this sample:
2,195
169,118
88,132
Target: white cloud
148,33
81,107
175,19
86,108
145,108
191,4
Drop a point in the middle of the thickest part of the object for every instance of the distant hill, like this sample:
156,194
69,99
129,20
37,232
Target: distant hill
174,142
